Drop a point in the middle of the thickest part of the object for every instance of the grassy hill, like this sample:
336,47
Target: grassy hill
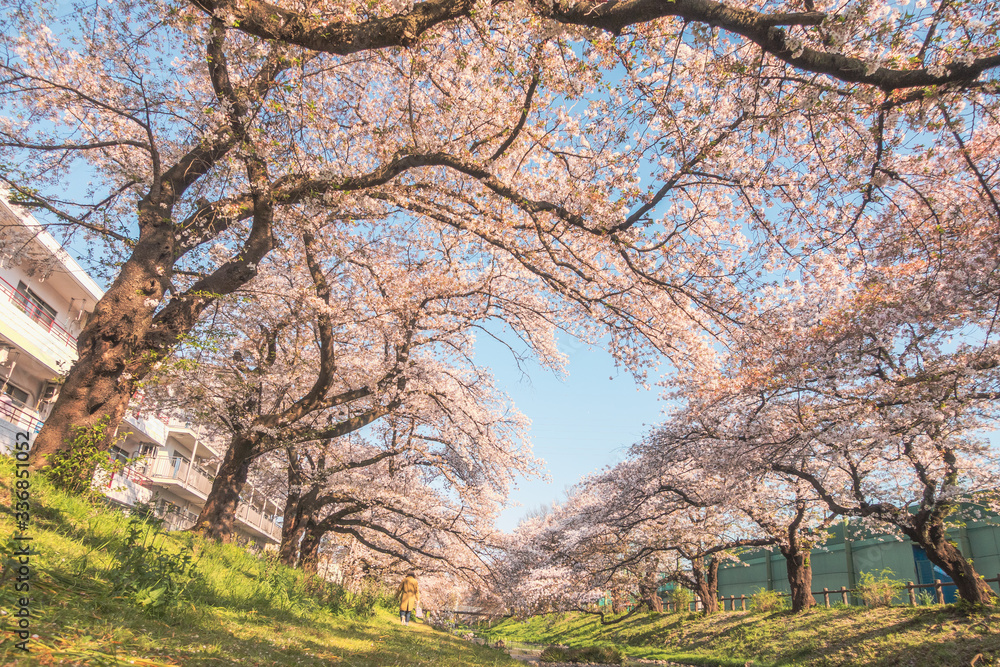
110,590
107,589
921,637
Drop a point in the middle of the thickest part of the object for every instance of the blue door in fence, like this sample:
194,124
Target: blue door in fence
927,572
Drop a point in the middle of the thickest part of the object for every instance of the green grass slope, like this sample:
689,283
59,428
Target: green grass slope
102,598
919,637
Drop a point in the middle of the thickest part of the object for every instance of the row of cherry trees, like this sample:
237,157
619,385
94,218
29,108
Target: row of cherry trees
862,391
644,160
343,377
349,189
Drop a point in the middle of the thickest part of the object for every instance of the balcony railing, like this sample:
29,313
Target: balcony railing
249,515
126,486
42,317
176,468
19,416
174,518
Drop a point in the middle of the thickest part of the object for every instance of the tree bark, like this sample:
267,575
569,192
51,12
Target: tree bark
293,523
617,602
654,601
940,551
114,350
706,583
649,590
309,550
292,528
217,520
799,568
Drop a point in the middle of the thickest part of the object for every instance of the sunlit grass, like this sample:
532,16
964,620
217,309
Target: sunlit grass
242,609
923,636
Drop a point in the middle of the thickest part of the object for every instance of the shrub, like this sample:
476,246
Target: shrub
361,602
926,598
366,597
74,469
145,573
764,600
681,598
878,590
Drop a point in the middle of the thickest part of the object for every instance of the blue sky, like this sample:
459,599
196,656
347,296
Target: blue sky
579,424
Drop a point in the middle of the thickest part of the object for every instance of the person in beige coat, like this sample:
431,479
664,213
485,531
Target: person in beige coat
409,597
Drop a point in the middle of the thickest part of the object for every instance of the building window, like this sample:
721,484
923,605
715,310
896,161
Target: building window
19,396
145,449
33,306
119,455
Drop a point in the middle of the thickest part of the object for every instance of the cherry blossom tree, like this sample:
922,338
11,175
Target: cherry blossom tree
682,460
694,518
888,434
419,494
617,536
874,393
270,386
373,327
809,40
251,143
533,577
642,159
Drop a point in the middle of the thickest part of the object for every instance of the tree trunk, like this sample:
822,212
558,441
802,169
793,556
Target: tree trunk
654,601
706,583
799,569
617,602
944,554
127,336
309,550
292,528
292,525
217,520
649,589
115,353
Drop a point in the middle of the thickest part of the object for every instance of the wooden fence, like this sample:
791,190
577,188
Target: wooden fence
842,595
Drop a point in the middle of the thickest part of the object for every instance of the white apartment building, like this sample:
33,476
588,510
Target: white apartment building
45,299
170,465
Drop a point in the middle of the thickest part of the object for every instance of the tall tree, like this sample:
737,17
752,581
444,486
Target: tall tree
887,435
669,504
682,461
680,146
874,396
423,489
342,331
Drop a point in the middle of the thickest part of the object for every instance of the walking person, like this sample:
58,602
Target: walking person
409,597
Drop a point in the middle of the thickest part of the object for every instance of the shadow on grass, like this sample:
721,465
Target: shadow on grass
936,636
82,626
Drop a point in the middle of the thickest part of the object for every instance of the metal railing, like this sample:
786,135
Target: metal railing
19,416
250,516
177,468
175,518
42,317
844,596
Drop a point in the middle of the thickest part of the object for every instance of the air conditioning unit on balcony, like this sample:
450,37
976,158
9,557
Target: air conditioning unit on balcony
51,392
